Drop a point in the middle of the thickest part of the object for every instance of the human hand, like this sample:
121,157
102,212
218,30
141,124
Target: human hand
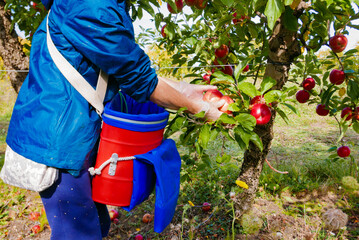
195,93
211,109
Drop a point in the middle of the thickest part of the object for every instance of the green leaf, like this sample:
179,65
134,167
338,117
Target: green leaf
233,107
356,127
238,70
257,141
273,11
291,107
282,114
225,118
200,114
353,90
243,134
248,88
223,159
289,20
220,77
288,2
228,3
204,135
272,96
267,84
247,121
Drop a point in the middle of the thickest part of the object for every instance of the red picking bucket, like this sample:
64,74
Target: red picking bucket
125,134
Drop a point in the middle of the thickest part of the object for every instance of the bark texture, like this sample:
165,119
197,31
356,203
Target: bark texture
284,48
11,50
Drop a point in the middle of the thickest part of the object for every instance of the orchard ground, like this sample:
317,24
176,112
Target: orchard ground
287,206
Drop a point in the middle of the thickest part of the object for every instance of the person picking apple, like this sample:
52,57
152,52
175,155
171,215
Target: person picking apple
54,126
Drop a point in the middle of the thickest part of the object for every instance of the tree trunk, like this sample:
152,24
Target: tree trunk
284,48
11,50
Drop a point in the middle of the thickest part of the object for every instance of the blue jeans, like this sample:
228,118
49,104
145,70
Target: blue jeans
70,210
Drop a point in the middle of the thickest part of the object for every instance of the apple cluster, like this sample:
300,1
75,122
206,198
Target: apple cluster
199,4
303,95
215,96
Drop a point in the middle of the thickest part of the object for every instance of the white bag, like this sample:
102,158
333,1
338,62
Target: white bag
25,173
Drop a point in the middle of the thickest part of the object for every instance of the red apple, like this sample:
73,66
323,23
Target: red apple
336,76
222,51
227,70
115,221
338,43
302,96
147,218
343,151
36,229
322,110
262,113
138,237
258,99
308,84
221,61
179,5
212,96
236,20
206,207
163,31
246,68
201,4
113,214
190,2
34,216
207,78
356,113
228,101
347,111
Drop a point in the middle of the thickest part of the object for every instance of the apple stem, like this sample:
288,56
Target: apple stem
340,127
270,166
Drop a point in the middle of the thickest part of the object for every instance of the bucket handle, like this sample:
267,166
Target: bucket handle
113,163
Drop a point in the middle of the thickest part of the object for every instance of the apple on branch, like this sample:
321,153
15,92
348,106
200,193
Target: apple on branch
338,43
179,5
343,151
262,113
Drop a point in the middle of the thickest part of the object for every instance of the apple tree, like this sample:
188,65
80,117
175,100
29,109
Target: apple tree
262,55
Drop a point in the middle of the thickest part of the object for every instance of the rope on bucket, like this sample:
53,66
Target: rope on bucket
113,163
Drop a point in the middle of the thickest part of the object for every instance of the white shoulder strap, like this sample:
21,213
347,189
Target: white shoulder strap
94,97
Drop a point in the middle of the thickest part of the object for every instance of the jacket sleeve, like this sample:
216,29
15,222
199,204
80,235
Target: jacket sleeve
102,31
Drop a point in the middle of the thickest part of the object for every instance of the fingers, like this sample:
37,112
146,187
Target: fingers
218,104
203,88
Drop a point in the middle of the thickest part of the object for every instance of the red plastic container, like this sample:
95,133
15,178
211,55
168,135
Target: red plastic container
116,190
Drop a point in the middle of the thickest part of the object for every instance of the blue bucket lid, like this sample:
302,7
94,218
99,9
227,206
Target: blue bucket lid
124,112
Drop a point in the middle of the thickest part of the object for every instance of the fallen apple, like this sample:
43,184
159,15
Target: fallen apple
138,237
206,207
35,229
34,216
113,214
147,218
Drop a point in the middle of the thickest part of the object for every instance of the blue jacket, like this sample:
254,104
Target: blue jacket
51,122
